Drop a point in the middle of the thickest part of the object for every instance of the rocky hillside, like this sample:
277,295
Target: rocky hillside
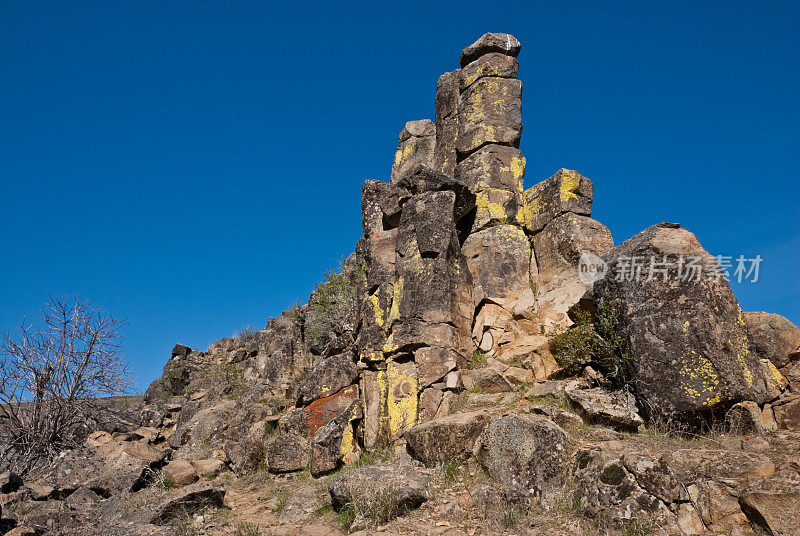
460,375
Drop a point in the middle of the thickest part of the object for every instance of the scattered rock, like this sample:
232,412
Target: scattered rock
180,473
616,409
400,484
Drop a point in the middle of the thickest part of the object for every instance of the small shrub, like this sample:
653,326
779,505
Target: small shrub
547,400
372,458
577,344
333,298
377,505
478,359
244,334
638,527
247,529
346,516
450,471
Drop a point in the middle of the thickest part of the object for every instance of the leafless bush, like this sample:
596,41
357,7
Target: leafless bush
49,374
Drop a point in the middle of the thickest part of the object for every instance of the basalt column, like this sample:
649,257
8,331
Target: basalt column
416,303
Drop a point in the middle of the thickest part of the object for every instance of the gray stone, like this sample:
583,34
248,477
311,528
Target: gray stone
445,439
525,451
502,43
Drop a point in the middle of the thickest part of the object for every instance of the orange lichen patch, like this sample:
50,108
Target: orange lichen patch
322,411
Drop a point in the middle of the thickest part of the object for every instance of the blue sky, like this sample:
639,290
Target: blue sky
194,166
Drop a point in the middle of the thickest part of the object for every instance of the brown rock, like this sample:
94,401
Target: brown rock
493,64
688,351
489,111
99,438
773,337
180,473
407,486
209,468
416,144
744,418
288,453
773,504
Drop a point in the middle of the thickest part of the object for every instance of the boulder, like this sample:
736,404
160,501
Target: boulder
330,376
744,418
524,451
563,240
208,468
685,341
616,409
186,503
772,336
623,488
567,191
416,144
287,453
401,484
299,508
773,504
180,473
502,43
445,439
491,380
725,464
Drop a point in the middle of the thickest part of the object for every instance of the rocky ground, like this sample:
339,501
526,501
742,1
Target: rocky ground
458,374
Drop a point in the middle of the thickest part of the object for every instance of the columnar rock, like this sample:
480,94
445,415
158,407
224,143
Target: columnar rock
685,347
446,116
416,145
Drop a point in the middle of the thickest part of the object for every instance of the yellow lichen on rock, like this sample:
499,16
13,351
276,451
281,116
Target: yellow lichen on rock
403,153
742,353
570,181
397,295
531,207
701,378
401,399
377,309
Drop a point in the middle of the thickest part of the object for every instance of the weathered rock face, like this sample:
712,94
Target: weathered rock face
687,352
416,144
524,451
445,439
328,377
772,336
773,504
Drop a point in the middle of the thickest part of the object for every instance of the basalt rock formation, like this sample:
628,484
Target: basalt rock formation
460,333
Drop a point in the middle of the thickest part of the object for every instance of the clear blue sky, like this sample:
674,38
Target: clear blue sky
194,166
